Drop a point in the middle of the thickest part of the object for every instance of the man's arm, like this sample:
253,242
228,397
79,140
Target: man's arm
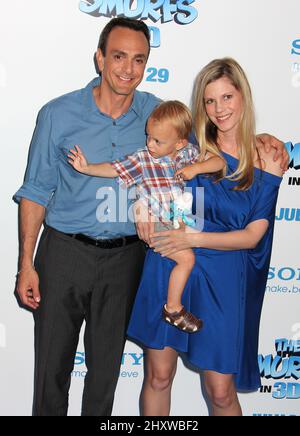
31,218
143,222
267,142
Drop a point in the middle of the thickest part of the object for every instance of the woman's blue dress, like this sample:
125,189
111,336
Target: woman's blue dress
225,289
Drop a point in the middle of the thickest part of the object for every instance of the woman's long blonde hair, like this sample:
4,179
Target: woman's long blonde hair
206,132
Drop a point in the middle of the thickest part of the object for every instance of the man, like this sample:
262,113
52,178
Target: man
86,268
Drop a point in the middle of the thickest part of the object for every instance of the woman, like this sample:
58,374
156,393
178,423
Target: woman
233,252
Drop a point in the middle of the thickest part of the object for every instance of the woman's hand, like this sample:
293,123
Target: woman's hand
171,241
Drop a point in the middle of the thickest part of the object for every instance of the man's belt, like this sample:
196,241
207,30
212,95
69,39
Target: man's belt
104,243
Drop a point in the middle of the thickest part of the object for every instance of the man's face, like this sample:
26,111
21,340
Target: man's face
124,64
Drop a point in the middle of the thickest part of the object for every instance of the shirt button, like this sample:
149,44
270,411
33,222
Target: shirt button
113,144
114,123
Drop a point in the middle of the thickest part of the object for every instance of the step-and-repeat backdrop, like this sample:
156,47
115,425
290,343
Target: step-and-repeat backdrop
47,50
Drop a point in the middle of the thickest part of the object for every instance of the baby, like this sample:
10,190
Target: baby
159,171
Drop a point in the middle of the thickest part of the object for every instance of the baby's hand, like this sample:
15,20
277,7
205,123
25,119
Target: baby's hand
78,160
186,173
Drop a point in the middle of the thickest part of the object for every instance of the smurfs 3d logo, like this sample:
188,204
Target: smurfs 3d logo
179,11
295,52
160,10
294,153
285,365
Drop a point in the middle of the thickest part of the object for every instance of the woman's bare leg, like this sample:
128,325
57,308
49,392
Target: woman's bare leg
159,374
222,393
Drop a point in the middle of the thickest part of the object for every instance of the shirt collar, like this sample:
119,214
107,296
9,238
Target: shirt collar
166,159
89,100
160,160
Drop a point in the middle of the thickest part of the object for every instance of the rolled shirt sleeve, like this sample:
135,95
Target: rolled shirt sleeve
74,202
40,180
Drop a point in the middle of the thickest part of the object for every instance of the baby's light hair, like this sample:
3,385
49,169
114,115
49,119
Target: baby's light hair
177,113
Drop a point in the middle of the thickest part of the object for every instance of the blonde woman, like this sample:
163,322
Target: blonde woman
227,285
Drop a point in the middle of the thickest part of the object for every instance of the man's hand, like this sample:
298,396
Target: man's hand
78,160
267,142
143,221
28,287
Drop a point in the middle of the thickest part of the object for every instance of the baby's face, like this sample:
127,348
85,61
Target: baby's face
162,139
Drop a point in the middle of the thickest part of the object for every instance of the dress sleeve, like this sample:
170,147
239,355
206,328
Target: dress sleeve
41,175
129,170
265,198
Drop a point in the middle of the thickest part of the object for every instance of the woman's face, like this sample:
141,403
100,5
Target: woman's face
224,105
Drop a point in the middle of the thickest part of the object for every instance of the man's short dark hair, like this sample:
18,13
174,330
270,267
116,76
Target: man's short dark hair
129,23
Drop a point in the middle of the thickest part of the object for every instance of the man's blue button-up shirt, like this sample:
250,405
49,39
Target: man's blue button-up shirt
76,203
